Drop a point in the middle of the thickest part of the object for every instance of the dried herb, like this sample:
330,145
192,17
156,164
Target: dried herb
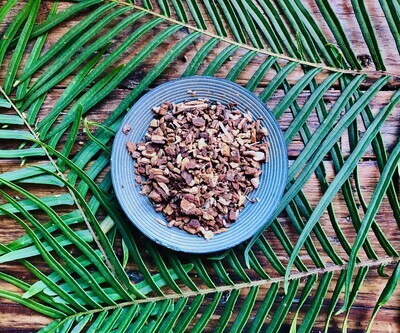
199,162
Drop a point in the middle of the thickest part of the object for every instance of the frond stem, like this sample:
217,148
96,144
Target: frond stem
244,285
58,171
258,50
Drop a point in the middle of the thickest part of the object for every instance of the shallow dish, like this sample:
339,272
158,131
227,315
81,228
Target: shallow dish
138,208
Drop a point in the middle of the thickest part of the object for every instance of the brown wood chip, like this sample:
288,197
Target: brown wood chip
198,163
126,129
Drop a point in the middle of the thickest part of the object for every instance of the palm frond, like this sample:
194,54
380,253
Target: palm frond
90,271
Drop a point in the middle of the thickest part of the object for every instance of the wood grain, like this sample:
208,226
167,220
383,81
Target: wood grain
16,318
341,7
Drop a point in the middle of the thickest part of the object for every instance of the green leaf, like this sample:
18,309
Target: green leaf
338,32
45,310
78,268
29,205
51,77
5,9
264,308
245,312
341,177
304,295
53,21
206,314
368,32
373,207
65,39
189,314
170,321
21,45
13,27
387,292
362,273
3,118
312,313
283,308
200,56
88,56
228,311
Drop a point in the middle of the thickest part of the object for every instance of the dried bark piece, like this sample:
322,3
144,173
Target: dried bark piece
208,234
188,207
255,182
155,196
199,122
188,178
200,159
189,197
148,154
259,156
165,188
154,123
156,109
170,151
233,215
130,147
224,201
207,216
190,229
126,129
161,179
158,139
168,210
161,222
225,150
194,223
250,171
230,175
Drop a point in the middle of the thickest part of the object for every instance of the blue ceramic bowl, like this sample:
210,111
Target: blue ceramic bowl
139,209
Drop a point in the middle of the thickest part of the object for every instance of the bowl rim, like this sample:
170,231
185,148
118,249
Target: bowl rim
115,177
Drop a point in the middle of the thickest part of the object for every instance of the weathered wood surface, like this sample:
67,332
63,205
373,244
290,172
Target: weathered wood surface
341,8
15,318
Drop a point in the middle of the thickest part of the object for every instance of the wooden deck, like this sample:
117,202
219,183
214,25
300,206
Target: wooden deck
16,318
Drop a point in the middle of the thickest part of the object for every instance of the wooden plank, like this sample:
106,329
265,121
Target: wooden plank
368,176
389,129
17,318
345,15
